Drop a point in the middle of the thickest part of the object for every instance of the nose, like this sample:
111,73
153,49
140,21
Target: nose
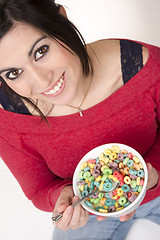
40,77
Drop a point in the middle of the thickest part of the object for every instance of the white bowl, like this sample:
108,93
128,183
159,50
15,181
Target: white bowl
93,154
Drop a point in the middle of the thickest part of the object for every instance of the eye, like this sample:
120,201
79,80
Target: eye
41,52
14,74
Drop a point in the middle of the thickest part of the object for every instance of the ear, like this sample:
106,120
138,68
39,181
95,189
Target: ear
62,11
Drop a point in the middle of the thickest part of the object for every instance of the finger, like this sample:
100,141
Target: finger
76,216
64,222
101,218
127,216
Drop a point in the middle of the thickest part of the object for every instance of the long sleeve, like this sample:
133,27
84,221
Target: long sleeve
38,183
153,155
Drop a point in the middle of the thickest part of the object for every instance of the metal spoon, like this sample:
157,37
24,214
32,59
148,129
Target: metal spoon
58,215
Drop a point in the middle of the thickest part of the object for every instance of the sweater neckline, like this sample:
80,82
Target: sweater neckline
21,122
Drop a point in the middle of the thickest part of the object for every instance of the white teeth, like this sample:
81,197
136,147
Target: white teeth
56,88
59,84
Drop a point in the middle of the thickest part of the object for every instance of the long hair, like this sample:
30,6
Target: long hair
45,16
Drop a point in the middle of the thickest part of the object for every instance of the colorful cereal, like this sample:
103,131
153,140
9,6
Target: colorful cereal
112,165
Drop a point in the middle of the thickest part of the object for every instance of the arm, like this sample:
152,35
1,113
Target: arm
39,184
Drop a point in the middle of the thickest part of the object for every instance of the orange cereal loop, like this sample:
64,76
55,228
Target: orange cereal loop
126,170
115,149
122,171
135,193
124,151
102,201
121,165
136,166
101,162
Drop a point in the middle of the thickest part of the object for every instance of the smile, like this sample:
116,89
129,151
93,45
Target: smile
56,88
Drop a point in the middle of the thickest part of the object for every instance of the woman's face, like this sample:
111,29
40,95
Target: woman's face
37,67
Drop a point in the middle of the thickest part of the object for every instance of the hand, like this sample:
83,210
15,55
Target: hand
72,217
152,176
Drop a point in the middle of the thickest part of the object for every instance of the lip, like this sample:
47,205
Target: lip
53,86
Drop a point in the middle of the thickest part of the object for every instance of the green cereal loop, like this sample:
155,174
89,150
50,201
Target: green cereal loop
96,201
140,188
86,175
107,171
125,160
90,179
116,161
133,183
122,200
104,177
92,200
88,203
80,174
100,195
135,189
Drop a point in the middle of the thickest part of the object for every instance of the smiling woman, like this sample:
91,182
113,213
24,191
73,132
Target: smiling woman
89,94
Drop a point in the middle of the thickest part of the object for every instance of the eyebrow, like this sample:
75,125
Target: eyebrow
29,54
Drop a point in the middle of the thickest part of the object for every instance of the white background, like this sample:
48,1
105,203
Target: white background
133,19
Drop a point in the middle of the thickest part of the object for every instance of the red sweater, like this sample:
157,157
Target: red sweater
43,158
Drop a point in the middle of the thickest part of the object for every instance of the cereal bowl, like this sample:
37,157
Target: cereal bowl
102,166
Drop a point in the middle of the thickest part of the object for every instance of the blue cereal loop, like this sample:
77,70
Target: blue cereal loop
125,188
127,204
108,202
140,173
88,203
130,163
97,184
132,171
84,193
107,186
86,169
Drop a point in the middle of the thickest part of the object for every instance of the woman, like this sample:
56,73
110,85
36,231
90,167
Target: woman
60,98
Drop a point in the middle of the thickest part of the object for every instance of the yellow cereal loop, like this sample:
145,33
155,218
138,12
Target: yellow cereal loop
119,192
107,152
98,178
106,160
110,176
113,156
101,186
83,165
136,159
138,180
91,165
115,197
116,204
115,149
86,180
120,208
127,180
101,156
103,167
82,188
105,207
103,210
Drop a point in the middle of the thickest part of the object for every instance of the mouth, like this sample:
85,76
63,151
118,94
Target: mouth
56,88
